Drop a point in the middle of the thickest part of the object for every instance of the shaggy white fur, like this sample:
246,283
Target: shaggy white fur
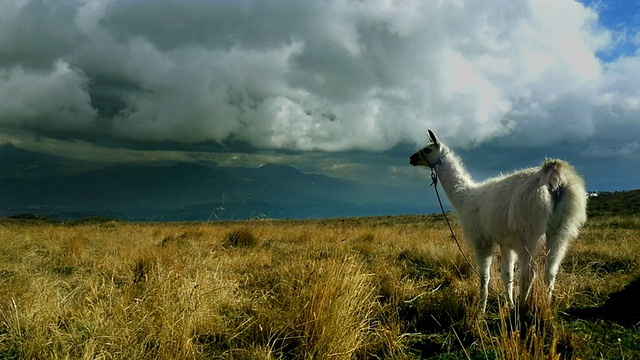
518,211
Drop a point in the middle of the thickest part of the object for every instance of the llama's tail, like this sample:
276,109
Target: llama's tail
569,197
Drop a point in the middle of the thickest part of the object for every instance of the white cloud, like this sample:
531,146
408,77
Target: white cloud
47,100
332,75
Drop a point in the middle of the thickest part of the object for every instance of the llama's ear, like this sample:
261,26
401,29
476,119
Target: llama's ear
433,137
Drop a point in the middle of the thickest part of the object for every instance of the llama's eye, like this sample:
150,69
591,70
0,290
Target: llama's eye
427,150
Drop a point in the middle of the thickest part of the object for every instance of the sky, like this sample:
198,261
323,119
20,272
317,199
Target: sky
339,87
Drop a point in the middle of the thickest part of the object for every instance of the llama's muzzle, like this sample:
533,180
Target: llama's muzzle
413,160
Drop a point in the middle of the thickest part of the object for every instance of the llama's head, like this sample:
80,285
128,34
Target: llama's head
429,155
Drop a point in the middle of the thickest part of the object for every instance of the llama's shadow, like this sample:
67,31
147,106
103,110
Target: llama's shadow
621,307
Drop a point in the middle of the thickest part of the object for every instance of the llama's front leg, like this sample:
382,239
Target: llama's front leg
507,262
483,259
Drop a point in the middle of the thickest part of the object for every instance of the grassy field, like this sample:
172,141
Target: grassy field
362,288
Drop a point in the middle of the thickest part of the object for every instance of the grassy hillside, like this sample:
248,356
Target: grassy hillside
615,203
360,288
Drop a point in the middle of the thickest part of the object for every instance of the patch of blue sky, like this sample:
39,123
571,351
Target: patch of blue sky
622,18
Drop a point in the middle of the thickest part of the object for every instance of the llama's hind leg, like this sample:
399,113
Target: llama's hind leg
484,257
556,250
507,262
527,274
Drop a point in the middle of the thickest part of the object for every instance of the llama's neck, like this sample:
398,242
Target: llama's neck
454,178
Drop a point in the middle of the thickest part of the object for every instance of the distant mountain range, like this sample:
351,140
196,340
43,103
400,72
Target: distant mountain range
64,189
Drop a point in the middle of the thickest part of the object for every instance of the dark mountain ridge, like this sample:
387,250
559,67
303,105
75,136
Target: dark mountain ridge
44,185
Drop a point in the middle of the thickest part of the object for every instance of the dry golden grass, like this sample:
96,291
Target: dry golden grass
392,287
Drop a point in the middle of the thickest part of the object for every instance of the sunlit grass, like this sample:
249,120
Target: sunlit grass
391,287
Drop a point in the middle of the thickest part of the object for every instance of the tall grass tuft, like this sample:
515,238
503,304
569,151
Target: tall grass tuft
334,312
240,238
532,332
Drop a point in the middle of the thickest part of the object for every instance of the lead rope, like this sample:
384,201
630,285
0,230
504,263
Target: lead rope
434,182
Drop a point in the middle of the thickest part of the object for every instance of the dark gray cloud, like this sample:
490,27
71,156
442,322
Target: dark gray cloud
36,34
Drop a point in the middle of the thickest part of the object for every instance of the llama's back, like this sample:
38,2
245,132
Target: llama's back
532,201
510,206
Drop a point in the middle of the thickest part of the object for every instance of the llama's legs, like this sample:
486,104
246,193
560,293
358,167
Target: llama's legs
556,252
507,262
526,277
483,259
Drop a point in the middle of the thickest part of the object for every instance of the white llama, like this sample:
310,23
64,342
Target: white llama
517,211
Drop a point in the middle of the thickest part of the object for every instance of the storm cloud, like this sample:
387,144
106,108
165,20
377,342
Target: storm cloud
317,75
